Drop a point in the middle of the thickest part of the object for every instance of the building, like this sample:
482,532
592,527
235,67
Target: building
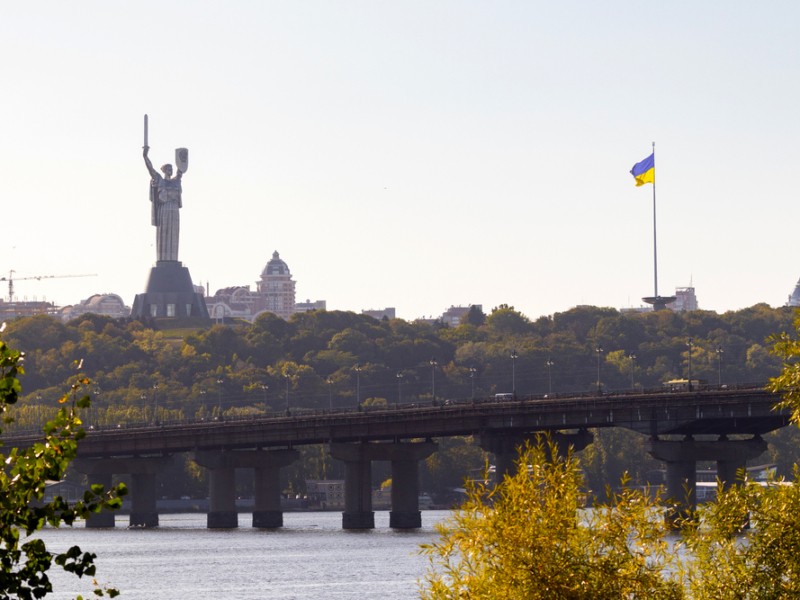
794,297
380,314
274,293
110,305
26,308
277,287
685,299
325,493
453,315
308,305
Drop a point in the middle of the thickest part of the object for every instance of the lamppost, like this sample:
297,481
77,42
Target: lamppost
719,352
144,406
633,369
264,388
399,389
219,397
155,403
433,364
549,364
689,343
357,369
599,350
514,357
472,371
329,381
287,393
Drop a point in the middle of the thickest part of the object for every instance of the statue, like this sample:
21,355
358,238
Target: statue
165,196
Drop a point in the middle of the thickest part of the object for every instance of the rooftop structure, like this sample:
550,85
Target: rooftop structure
110,305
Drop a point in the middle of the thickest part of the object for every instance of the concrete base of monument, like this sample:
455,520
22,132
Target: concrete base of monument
170,297
267,519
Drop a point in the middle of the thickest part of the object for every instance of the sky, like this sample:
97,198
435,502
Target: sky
411,154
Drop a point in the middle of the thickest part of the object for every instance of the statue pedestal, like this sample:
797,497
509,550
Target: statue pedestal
170,295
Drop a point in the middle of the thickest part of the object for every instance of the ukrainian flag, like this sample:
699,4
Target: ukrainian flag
645,171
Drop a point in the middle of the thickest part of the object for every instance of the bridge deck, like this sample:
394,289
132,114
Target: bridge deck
715,411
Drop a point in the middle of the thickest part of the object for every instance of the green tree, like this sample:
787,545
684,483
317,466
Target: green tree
24,559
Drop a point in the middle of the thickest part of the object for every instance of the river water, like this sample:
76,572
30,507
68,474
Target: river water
311,558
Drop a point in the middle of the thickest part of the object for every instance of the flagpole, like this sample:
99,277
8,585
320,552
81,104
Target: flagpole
655,245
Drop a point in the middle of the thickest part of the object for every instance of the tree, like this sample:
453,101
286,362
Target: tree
527,539
23,511
729,562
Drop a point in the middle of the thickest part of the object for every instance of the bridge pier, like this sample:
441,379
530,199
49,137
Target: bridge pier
222,467
506,447
106,518
681,457
404,458
143,471
267,513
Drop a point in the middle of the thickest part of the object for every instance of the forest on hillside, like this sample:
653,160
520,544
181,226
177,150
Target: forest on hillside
325,360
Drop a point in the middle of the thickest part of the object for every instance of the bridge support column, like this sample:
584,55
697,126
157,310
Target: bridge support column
222,467
106,518
143,473
267,513
358,513
404,457
682,456
143,504
221,489
506,447
405,513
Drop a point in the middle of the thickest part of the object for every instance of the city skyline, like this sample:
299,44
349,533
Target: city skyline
407,155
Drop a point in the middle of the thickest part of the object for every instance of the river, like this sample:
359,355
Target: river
311,558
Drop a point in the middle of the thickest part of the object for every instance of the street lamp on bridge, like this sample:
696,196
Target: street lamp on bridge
288,379
514,357
472,371
549,365
690,344
599,350
399,389
329,381
155,404
264,388
357,369
632,356
433,364
719,352
219,396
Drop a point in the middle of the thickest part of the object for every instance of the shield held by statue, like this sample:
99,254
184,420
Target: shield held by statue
182,159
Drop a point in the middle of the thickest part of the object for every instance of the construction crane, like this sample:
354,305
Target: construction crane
10,279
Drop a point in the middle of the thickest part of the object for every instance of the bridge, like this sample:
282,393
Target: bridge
683,427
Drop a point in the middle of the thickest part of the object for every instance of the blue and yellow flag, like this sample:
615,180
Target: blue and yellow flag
645,171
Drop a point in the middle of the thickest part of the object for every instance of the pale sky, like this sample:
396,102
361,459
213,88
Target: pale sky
414,154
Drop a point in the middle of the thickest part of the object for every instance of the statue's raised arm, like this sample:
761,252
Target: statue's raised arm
153,172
